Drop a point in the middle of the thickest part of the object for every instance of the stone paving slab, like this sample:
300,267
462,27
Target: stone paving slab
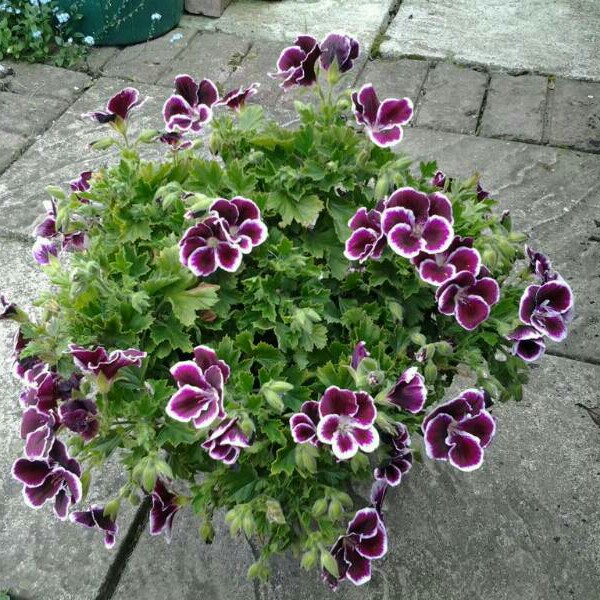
188,569
551,195
27,116
396,78
256,65
526,525
209,55
38,81
62,153
286,19
12,145
41,558
515,108
452,98
148,61
575,114
560,38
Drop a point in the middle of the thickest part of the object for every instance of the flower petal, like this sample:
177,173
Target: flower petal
186,403
367,439
435,434
471,311
336,401
327,427
482,426
344,445
202,261
228,257
394,112
465,453
402,241
438,234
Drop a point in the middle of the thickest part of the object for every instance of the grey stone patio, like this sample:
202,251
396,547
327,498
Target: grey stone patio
527,525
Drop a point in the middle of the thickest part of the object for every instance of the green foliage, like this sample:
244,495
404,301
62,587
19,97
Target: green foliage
37,30
285,322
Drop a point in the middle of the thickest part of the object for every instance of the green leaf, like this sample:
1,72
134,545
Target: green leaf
272,429
304,210
173,335
251,117
188,302
177,433
285,461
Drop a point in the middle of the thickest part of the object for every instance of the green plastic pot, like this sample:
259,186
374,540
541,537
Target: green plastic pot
124,22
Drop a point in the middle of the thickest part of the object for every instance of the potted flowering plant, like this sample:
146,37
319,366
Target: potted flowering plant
123,22
264,329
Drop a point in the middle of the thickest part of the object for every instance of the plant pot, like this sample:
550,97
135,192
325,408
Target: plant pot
124,22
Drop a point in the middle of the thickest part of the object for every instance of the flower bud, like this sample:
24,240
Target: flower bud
430,371
274,512
309,559
319,508
329,563
149,477
207,532
506,220
336,510
111,509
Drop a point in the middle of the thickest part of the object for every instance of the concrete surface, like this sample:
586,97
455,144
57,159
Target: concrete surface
560,37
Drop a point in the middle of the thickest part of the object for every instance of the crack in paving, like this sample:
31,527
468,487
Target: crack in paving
128,545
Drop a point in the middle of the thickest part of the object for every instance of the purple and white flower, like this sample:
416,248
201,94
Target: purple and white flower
233,228
119,107
22,365
358,354
459,430
54,478
82,183
243,223
44,250
379,490
206,247
80,416
190,107
304,424
341,49
236,99
400,460
540,266
226,442
163,511
365,540
44,388
459,256
481,193
296,64
439,179
467,298
548,308
416,222
382,120
8,310
38,429
175,140
367,239
528,344
409,392
98,362
201,382
96,519
346,423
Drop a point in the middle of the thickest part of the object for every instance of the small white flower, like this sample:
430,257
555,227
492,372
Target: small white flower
89,40
156,16
36,34
63,17
176,37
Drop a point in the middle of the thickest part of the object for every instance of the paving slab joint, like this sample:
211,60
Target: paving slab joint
546,124
119,564
483,102
588,360
381,37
